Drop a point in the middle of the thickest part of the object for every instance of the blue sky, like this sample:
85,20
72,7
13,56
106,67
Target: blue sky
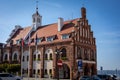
103,15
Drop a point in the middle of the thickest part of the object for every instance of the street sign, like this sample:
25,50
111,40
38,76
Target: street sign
59,63
80,65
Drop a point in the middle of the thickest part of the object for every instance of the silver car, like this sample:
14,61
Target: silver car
8,76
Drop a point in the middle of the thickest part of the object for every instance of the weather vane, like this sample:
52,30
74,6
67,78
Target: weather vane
36,5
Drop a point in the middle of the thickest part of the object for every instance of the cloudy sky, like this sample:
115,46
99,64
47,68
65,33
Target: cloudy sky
103,15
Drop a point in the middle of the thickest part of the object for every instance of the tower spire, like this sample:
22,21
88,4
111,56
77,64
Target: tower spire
37,18
37,6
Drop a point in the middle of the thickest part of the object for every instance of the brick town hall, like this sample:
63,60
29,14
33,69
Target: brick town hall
70,41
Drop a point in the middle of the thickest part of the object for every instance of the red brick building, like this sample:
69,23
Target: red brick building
73,40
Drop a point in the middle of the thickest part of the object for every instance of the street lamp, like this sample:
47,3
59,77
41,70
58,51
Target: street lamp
57,52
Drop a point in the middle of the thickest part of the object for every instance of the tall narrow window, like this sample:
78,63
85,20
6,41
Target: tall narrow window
79,53
46,57
34,57
23,71
63,54
83,32
27,70
38,71
85,55
27,58
15,57
23,59
45,71
33,19
33,71
39,57
50,71
50,56
6,56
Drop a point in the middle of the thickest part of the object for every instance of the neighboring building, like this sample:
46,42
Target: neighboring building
73,39
1,51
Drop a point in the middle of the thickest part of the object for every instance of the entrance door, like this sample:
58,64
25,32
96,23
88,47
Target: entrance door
64,72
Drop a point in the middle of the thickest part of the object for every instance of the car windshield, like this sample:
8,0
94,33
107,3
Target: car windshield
85,78
6,75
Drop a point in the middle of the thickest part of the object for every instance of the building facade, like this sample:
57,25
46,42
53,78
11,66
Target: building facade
38,48
1,51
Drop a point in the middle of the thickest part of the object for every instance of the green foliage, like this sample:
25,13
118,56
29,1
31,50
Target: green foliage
64,58
38,59
10,68
51,58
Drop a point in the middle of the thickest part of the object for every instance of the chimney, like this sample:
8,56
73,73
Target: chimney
83,12
60,23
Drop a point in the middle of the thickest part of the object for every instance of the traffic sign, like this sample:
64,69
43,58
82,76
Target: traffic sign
59,63
80,65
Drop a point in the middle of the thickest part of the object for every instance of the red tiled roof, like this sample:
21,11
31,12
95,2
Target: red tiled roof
21,34
52,29
48,30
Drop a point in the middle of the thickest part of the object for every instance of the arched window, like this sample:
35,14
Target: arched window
38,20
27,70
86,34
23,58
6,57
79,53
50,56
50,71
27,58
33,19
46,57
85,55
22,71
34,57
93,55
15,57
63,52
33,71
83,32
45,71
38,56
38,71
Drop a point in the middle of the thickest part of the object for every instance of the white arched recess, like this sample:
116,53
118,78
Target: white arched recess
25,62
36,62
15,53
4,55
48,66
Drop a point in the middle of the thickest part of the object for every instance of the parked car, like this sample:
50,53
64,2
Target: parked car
105,76
85,78
95,77
114,77
8,76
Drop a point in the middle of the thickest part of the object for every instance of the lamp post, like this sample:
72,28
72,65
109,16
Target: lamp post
57,52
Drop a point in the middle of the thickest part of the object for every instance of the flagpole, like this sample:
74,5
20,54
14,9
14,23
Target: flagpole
29,57
21,56
36,57
36,63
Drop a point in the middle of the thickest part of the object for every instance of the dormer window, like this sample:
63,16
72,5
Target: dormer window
26,41
39,40
51,38
18,41
65,36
